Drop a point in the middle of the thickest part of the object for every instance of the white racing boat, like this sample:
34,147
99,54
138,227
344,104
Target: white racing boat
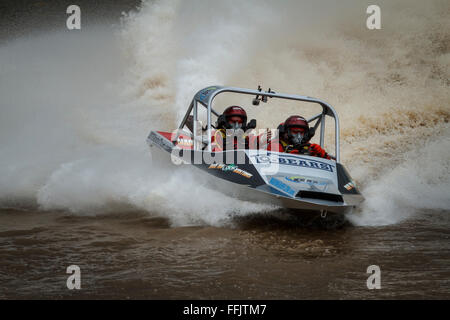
295,181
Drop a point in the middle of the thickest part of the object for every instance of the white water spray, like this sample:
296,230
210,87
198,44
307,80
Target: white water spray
75,109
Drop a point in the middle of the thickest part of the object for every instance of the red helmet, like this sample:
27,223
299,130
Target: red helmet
234,111
296,121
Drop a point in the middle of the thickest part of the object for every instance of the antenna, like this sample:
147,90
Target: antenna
258,99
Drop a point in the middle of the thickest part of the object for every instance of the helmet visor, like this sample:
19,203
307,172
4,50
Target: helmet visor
235,122
296,135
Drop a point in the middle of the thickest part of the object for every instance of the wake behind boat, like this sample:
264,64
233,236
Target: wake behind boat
300,182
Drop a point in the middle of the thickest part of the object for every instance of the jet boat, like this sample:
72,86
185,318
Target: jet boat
301,183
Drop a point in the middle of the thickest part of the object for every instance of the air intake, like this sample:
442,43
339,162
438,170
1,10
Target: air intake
320,196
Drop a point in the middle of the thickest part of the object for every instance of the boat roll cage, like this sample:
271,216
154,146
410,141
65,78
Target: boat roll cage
206,96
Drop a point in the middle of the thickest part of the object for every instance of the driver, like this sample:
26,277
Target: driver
232,123
294,136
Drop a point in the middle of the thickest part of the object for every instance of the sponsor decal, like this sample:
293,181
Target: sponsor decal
185,142
205,93
294,161
230,168
349,186
299,179
279,185
313,183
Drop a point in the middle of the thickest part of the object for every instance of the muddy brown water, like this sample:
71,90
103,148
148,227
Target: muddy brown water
134,255
396,76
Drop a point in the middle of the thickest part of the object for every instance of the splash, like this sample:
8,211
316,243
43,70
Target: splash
75,109
420,182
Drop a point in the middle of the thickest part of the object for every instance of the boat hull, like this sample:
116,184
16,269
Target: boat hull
298,182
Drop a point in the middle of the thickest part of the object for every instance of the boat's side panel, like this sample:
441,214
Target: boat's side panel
347,187
224,165
345,182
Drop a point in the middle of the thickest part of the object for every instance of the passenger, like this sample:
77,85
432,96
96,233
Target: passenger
294,136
